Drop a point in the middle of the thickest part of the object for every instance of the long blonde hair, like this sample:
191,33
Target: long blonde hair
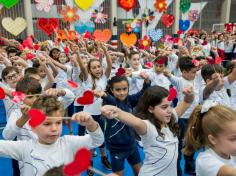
203,124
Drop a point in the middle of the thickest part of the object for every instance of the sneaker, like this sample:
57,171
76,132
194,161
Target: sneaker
106,163
90,172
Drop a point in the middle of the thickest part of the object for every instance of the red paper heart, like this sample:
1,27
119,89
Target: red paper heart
179,32
72,84
172,94
81,162
36,47
30,56
47,25
161,60
218,60
66,50
18,96
195,62
148,65
204,43
127,4
2,93
28,42
120,72
168,20
210,61
86,99
36,117
20,47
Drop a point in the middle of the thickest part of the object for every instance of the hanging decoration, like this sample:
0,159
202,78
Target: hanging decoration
84,4
127,4
128,39
184,25
82,27
168,20
15,27
229,27
99,17
148,16
48,25
193,15
133,25
44,5
185,5
145,43
155,35
69,14
103,36
160,5
8,3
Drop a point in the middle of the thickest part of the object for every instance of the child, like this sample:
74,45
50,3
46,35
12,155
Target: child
51,150
212,127
120,138
158,129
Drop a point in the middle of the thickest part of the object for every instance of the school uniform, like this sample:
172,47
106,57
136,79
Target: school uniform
158,79
37,158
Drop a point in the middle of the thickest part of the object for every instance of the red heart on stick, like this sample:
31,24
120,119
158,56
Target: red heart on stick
30,56
211,61
172,94
168,20
218,60
86,99
72,84
18,96
148,65
120,72
36,117
2,93
81,163
47,25
28,42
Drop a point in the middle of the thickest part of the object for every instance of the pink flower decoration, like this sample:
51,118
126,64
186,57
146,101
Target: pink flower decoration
99,17
44,5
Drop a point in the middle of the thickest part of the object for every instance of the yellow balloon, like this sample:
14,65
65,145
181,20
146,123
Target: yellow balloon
84,4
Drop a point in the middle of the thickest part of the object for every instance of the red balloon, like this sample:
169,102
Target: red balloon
127,4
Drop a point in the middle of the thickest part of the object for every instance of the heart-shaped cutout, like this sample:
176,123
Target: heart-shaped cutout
2,93
184,25
127,4
18,96
8,3
195,62
155,35
211,61
36,117
168,20
103,36
72,84
128,40
28,42
48,25
218,60
148,65
86,99
84,4
172,94
82,27
15,27
81,162
120,72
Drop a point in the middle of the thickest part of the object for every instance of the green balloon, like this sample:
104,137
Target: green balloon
185,5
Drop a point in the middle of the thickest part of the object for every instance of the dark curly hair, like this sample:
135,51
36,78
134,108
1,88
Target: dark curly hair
151,97
48,104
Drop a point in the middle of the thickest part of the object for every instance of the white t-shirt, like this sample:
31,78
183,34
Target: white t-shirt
160,154
159,79
37,158
208,163
233,95
95,108
62,76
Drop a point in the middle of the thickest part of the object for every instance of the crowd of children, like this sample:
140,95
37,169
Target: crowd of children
133,103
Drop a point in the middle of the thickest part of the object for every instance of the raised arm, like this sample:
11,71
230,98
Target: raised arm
109,61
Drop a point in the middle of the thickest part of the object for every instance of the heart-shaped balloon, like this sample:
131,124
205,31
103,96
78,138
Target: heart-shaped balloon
81,162
15,27
72,84
103,36
82,27
128,39
86,99
168,20
184,25
172,94
36,117
127,4
155,35
48,25
84,4
8,3
2,93
120,72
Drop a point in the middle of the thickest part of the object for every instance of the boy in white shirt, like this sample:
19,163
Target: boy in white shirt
50,150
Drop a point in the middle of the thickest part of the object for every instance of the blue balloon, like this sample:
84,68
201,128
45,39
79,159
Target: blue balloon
82,27
184,25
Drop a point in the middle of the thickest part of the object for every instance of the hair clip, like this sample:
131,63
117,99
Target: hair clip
207,105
